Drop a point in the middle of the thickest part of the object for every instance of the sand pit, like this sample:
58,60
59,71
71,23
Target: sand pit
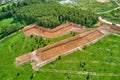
53,33
103,1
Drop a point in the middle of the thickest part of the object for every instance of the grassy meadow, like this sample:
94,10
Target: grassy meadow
6,22
101,58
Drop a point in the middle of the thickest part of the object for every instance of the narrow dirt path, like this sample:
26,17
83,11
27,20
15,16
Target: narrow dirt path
111,9
9,35
79,72
108,10
91,61
117,3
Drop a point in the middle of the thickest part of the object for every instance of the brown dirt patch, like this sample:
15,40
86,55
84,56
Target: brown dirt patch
53,33
49,53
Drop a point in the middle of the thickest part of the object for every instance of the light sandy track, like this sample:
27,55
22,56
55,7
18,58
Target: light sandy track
91,61
109,26
103,1
79,72
49,53
53,33
108,10
111,9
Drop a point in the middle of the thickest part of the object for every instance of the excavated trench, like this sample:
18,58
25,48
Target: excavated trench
53,33
51,52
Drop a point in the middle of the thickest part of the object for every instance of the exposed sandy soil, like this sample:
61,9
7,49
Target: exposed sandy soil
59,49
109,26
53,33
49,53
103,1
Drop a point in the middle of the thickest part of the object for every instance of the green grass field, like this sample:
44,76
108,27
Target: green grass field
6,22
101,58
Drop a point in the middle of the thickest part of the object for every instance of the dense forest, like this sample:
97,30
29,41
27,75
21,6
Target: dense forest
54,14
8,11
44,13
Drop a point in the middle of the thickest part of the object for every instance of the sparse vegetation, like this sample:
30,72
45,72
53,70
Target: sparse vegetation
94,5
113,16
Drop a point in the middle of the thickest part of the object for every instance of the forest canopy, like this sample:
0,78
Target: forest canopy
51,15
47,13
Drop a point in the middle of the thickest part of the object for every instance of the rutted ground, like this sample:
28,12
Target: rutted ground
79,72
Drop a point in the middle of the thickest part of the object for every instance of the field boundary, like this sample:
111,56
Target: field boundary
79,72
109,26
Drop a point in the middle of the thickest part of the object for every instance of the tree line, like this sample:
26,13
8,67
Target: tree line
9,10
47,13
6,30
51,15
44,13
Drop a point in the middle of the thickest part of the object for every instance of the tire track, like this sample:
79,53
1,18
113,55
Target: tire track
79,72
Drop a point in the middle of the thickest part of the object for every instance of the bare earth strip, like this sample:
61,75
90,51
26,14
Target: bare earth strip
49,53
53,33
109,26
